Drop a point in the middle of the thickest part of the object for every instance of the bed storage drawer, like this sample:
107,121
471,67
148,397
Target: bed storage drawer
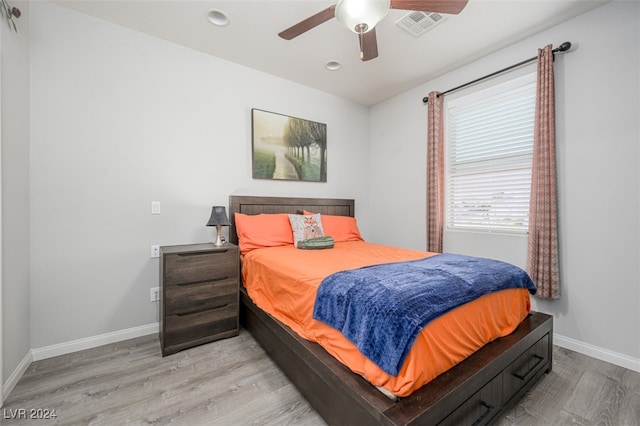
199,295
528,365
483,406
480,408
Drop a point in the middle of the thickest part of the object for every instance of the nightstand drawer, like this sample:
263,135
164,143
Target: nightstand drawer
184,268
185,298
206,325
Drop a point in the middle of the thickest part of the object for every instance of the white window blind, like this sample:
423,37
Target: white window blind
489,154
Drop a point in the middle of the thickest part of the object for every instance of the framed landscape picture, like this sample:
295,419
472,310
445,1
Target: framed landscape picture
288,148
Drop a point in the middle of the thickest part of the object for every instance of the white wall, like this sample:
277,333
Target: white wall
14,294
598,141
119,119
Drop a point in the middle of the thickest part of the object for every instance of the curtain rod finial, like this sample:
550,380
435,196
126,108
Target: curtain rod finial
564,46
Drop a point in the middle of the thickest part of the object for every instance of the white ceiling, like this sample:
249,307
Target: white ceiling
404,61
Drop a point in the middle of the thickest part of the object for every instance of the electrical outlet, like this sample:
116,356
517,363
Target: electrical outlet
155,294
155,251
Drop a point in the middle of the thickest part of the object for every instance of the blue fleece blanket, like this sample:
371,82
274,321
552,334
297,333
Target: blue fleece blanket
382,308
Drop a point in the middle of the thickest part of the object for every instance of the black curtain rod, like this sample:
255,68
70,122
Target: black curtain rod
562,48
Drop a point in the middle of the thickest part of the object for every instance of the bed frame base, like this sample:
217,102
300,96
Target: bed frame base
475,391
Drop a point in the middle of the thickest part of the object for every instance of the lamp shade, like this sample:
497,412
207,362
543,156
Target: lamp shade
218,217
353,13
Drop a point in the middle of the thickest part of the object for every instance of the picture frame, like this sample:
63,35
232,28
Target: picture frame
287,148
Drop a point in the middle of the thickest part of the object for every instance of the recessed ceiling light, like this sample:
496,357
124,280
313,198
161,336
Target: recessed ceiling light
333,65
217,17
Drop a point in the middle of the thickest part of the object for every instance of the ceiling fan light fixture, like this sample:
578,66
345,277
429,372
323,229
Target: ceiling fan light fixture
354,13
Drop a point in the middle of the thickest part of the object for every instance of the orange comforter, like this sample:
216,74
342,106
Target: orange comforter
283,281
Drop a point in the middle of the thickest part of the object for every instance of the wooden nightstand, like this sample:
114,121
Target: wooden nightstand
199,295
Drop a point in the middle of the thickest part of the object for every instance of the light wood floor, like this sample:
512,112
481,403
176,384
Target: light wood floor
233,382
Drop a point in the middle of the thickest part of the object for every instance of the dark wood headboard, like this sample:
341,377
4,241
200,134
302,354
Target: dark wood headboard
256,205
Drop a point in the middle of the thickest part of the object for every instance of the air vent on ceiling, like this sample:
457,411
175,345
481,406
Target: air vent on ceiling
417,23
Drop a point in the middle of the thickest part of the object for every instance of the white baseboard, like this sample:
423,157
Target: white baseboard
15,377
93,341
597,352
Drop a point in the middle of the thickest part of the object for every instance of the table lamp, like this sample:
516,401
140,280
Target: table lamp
218,219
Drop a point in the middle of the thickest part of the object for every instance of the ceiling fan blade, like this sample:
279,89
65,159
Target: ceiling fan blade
368,45
309,23
441,6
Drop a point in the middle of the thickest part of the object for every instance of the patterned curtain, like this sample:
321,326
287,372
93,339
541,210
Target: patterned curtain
435,173
542,258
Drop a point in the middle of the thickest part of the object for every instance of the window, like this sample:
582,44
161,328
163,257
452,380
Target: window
489,154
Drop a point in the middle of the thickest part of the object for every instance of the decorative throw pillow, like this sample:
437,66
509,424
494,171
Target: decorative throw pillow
341,228
305,227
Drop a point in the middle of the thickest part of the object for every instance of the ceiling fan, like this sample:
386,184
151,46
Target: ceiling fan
361,17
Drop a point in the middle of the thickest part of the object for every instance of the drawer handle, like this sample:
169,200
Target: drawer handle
526,375
198,311
212,280
487,410
204,253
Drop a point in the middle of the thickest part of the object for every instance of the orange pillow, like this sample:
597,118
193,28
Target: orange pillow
262,230
341,228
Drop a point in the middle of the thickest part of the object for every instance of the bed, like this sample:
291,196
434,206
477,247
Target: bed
475,391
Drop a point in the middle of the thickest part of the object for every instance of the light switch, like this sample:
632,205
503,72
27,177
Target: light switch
155,207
